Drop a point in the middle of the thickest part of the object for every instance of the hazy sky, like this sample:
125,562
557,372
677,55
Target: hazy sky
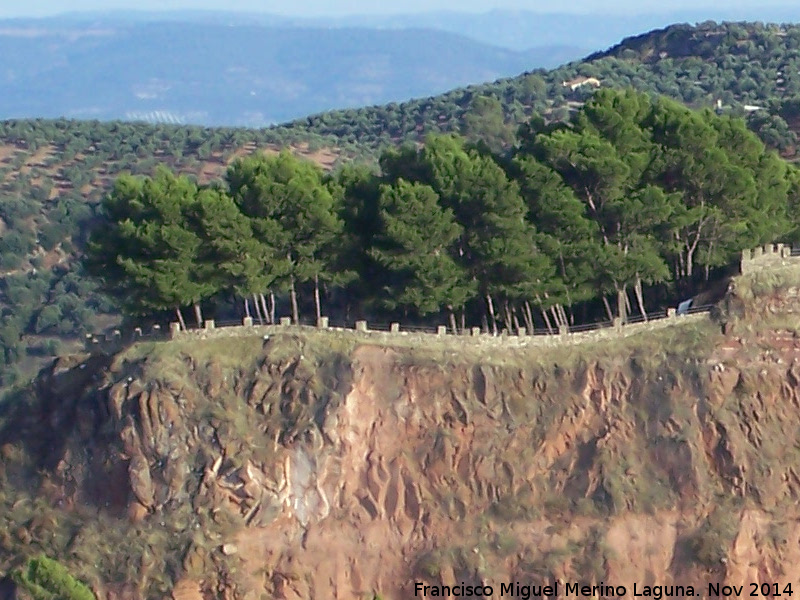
19,8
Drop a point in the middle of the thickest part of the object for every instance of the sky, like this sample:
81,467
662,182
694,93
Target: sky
312,8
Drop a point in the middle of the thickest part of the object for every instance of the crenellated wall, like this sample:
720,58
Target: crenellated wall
768,256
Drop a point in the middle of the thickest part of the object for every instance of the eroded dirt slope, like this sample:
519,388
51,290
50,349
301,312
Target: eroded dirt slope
286,468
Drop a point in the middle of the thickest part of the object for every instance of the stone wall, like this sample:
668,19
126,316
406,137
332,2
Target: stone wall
362,332
769,256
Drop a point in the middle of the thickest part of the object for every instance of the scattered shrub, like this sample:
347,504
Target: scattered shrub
46,579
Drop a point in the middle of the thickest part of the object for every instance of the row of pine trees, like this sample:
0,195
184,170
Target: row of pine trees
634,194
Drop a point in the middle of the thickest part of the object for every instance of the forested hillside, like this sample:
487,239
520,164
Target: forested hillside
54,173
753,70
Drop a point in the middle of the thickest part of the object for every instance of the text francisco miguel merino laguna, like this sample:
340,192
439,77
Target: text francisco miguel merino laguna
517,590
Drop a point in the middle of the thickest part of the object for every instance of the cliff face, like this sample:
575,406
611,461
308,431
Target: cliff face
307,466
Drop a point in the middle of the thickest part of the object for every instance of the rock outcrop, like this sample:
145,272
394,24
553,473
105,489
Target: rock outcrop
299,471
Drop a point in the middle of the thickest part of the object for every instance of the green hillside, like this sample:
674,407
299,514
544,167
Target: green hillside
738,64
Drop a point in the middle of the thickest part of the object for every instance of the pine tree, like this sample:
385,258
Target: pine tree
295,212
149,256
416,247
730,185
566,234
239,260
498,246
359,192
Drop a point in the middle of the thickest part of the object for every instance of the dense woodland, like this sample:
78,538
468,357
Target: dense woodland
633,197
54,175
738,64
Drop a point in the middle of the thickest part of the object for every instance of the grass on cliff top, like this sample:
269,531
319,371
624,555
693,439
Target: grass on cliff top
169,361
693,339
766,281
228,351
689,340
764,300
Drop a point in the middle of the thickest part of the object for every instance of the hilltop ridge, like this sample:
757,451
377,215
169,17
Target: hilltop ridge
736,64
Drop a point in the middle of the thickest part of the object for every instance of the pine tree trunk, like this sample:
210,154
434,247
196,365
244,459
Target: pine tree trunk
272,307
258,310
563,314
180,318
453,324
316,297
543,311
264,309
637,288
246,308
556,316
507,316
690,262
621,304
464,319
490,304
484,323
547,321
198,314
528,317
293,296
609,312
514,318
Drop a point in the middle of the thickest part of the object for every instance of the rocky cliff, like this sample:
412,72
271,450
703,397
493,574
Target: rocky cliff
315,465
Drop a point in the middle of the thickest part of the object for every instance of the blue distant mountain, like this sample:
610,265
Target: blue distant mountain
220,68
221,71
511,29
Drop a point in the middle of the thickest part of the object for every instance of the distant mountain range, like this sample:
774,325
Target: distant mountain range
231,73
220,68
511,29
